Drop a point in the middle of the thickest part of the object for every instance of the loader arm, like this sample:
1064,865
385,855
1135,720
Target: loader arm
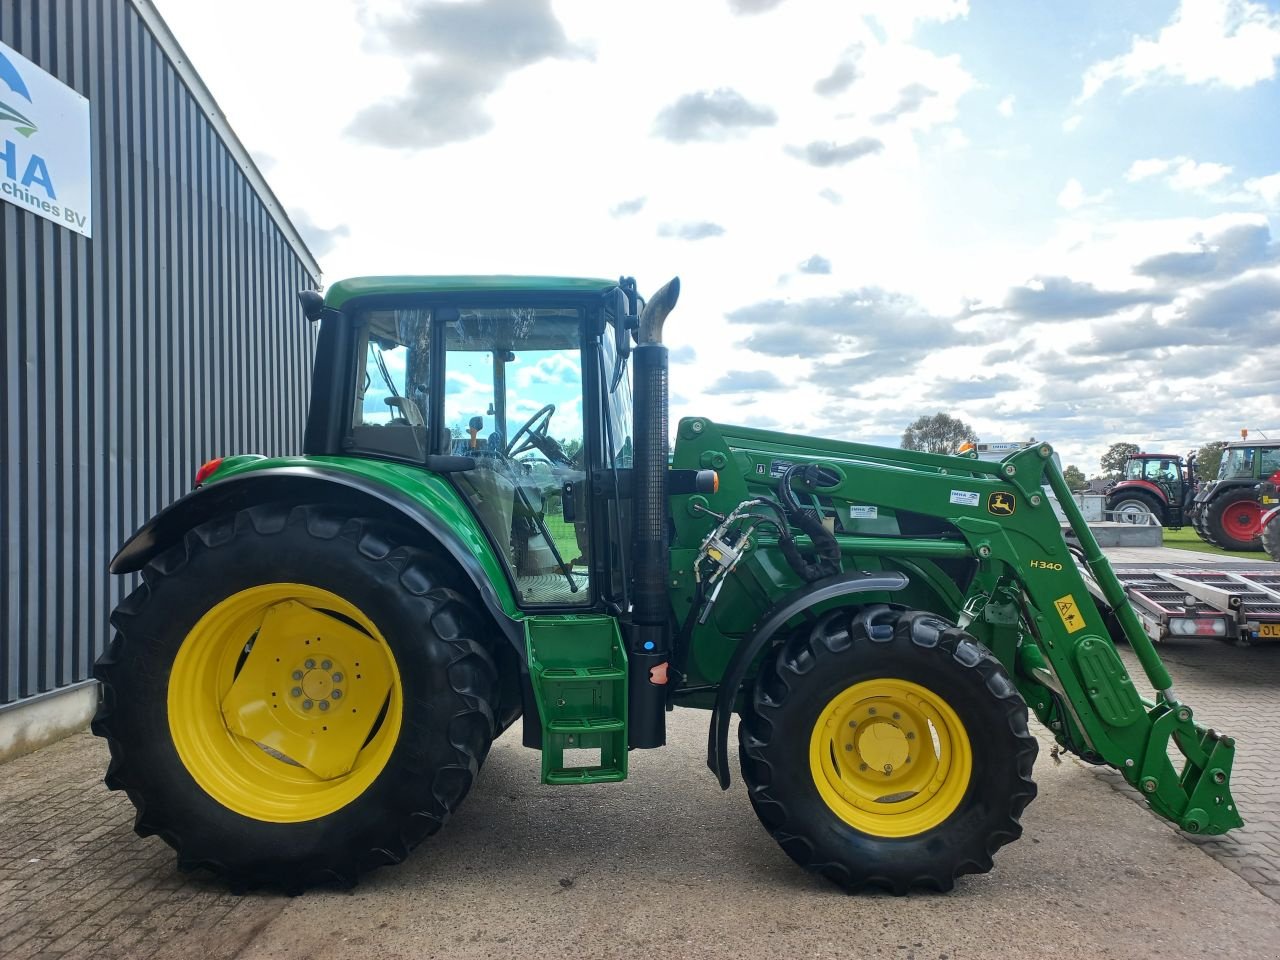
1024,596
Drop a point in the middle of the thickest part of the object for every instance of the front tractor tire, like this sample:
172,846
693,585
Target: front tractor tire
1233,520
292,698
1271,538
886,748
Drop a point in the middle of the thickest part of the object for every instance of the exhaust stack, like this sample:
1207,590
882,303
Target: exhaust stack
650,635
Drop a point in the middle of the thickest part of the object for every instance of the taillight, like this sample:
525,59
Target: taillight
207,470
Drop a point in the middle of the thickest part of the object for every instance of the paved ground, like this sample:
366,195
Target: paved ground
664,862
1236,691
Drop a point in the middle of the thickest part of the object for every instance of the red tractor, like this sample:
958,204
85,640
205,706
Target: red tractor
1156,487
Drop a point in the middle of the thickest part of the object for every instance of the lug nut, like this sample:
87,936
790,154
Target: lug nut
848,747
910,735
862,766
310,664
337,678
897,715
295,692
326,664
324,704
297,674
307,704
337,694
871,710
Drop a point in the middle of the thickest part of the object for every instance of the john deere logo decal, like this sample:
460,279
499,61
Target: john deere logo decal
1001,504
10,77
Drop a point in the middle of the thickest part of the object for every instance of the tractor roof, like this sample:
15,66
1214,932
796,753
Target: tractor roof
1155,456
1263,444
346,290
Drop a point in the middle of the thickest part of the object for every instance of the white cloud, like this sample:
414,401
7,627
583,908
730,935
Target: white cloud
1234,43
1181,173
1070,124
1144,169
1005,106
1073,196
1267,189
1190,175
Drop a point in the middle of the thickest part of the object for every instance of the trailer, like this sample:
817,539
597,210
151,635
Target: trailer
1235,602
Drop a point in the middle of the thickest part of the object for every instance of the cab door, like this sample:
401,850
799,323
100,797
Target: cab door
512,400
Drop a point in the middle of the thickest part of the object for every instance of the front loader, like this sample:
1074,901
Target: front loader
486,529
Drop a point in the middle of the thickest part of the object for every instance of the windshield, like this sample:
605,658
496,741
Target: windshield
1236,462
617,407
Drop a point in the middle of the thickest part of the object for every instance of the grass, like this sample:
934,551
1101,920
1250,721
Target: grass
1187,539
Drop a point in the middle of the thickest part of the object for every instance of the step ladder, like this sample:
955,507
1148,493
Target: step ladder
579,673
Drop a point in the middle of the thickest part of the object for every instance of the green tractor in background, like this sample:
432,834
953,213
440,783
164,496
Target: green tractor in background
485,530
1227,511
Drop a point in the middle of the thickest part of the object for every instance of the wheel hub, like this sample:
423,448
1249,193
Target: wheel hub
330,711
890,757
317,684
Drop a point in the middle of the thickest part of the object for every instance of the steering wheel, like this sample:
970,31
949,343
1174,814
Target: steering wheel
533,435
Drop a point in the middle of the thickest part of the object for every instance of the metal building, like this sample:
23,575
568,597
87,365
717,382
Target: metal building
168,335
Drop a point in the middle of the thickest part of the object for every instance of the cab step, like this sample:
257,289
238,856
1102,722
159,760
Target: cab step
579,671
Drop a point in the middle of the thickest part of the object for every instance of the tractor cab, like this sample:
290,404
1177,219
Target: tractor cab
515,394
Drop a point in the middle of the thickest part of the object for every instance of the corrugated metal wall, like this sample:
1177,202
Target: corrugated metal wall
172,336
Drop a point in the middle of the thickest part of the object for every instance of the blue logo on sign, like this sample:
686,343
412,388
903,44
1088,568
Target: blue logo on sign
10,77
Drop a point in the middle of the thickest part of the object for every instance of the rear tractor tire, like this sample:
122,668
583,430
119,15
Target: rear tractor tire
1234,520
1136,508
292,698
886,748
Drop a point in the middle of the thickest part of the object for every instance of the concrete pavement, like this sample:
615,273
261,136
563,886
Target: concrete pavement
664,863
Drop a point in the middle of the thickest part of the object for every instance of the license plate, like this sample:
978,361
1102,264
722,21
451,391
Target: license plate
1269,630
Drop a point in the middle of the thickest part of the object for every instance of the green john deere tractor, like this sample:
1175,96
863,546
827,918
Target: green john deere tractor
485,529
1227,511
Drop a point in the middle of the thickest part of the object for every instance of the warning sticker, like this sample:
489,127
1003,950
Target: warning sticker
863,513
1070,613
965,498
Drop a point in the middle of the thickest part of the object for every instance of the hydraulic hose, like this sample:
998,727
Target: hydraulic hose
824,541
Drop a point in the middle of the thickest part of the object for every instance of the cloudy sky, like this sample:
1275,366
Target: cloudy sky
1056,219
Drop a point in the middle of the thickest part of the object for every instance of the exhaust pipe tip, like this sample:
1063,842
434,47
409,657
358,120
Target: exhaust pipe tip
655,313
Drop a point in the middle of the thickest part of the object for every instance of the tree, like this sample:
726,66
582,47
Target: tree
1208,459
937,434
1074,477
1113,460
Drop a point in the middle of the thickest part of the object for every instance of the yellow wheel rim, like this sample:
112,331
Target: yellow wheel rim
890,758
279,707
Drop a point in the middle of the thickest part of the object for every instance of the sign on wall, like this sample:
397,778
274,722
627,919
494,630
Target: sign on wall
45,150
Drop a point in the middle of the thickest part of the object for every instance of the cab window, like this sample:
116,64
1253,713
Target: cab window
392,385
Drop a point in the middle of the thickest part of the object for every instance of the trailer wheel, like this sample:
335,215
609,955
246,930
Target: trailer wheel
1234,520
1136,508
1271,538
291,698
887,748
